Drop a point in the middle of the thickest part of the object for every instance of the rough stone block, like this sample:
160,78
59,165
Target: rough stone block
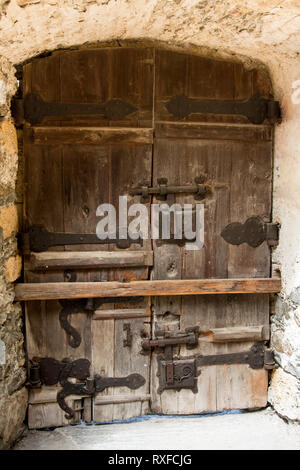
9,220
24,3
13,266
284,394
8,136
12,415
2,92
2,353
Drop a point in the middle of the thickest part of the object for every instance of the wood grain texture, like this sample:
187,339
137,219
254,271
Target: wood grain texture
63,290
121,313
213,131
81,260
88,135
233,334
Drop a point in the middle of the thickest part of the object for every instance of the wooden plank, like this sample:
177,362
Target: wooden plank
121,313
64,290
239,333
48,394
103,347
104,74
128,360
209,131
80,260
88,135
114,399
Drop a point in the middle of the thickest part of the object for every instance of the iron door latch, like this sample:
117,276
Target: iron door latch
189,337
162,190
182,372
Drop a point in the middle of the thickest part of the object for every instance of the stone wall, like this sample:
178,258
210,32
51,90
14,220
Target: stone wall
285,333
13,395
253,31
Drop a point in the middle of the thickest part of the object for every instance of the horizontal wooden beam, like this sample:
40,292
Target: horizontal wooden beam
75,290
213,131
235,334
89,135
88,259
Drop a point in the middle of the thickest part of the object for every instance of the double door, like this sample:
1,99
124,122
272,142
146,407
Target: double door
105,123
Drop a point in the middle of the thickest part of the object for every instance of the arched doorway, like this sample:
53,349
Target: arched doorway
104,123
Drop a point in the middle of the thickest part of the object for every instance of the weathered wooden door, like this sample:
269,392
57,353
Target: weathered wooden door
98,123
235,160
74,163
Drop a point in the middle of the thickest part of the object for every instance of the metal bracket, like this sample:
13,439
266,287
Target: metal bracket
256,109
177,374
34,109
199,189
39,239
127,342
254,232
49,371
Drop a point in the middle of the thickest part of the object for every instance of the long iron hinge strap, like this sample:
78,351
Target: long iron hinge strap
34,109
255,358
256,109
38,239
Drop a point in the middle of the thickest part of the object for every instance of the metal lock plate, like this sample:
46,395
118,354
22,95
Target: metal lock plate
177,374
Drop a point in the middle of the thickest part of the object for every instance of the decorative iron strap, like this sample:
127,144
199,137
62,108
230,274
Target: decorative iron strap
71,307
256,109
254,232
38,239
51,372
35,109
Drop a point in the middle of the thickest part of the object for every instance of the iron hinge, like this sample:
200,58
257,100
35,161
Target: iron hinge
256,109
49,371
34,109
253,232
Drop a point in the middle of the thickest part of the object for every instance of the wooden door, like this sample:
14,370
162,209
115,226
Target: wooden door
235,160
74,163
99,123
